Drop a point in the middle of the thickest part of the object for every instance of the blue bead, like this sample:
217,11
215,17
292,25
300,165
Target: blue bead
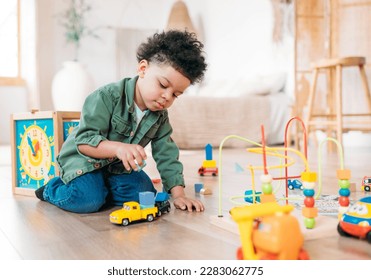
344,192
308,192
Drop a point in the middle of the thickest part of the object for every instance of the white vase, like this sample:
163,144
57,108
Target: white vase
70,86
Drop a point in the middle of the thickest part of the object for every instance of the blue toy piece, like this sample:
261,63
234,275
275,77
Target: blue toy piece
294,184
140,167
198,187
209,152
146,198
249,197
161,196
238,168
162,203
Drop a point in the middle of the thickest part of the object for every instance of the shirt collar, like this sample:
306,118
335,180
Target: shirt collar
129,92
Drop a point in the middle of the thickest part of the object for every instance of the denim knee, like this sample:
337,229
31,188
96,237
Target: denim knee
126,187
84,194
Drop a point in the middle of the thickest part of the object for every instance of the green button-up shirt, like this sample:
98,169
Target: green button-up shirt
109,114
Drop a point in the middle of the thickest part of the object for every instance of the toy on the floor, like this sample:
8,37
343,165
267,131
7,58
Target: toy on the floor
198,187
366,184
268,232
356,222
311,191
162,203
146,209
294,184
208,165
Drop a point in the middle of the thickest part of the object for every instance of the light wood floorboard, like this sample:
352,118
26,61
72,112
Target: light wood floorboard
32,229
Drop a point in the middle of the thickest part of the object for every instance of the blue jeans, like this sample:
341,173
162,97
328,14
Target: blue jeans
89,192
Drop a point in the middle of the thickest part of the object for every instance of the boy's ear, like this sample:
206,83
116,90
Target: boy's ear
142,67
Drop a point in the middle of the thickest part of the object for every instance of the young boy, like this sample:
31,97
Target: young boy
99,161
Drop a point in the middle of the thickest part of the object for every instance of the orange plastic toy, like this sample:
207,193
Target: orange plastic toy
268,231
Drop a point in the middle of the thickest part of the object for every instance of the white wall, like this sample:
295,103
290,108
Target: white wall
237,35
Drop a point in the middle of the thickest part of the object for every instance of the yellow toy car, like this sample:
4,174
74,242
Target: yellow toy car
132,211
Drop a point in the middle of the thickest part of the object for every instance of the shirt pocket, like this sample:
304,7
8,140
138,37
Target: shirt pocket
121,126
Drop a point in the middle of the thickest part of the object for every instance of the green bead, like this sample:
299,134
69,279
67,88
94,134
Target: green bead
267,188
344,184
309,223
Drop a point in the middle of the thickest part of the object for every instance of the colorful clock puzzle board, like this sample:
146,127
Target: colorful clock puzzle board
35,152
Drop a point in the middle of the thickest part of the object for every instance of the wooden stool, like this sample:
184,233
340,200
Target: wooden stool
332,121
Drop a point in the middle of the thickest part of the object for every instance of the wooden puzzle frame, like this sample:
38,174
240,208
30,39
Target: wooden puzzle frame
39,123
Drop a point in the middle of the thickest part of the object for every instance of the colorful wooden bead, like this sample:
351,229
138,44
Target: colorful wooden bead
267,188
344,192
344,184
309,201
307,192
344,201
309,176
343,174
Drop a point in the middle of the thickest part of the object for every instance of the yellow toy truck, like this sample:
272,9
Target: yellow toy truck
268,231
132,211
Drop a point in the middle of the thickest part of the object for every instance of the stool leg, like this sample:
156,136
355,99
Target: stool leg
365,86
339,104
310,101
331,104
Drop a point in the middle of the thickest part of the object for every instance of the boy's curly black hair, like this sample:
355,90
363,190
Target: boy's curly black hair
179,49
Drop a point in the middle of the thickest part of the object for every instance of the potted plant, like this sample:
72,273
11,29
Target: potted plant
74,22
73,83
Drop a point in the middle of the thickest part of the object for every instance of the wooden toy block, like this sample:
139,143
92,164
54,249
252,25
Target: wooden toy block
209,163
37,138
198,187
353,187
206,191
310,212
343,174
146,198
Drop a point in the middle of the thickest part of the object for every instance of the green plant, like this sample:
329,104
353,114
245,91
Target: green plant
73,20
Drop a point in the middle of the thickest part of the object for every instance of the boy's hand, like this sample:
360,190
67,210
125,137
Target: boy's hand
131,155
184,203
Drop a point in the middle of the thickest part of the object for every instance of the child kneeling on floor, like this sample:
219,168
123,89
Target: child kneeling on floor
99,161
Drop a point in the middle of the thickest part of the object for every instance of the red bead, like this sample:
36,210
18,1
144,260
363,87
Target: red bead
344,201
309,201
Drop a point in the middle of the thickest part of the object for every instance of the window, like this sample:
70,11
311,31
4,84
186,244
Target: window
10,70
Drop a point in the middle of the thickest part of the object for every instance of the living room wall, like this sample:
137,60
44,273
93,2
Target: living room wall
237,35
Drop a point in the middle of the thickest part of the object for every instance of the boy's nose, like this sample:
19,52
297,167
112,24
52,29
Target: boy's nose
167,94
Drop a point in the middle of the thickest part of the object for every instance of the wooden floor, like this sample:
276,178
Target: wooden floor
31,229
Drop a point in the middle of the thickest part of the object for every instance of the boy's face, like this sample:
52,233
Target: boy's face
158,86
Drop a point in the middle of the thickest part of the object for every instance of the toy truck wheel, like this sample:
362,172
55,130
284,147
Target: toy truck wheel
125,222
150,218
368,237
159,213
367,188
